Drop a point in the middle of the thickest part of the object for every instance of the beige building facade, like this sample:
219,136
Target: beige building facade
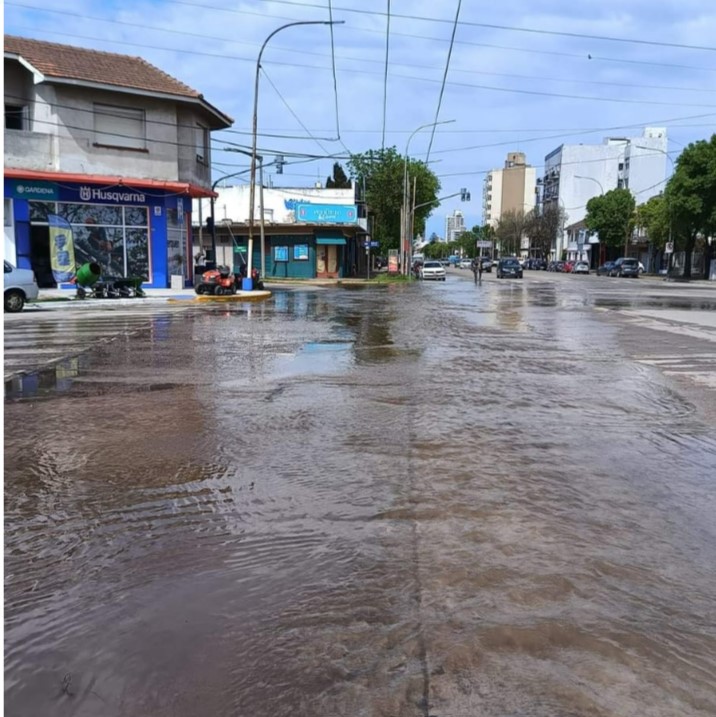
511,188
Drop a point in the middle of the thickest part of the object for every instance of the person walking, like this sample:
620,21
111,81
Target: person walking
476,266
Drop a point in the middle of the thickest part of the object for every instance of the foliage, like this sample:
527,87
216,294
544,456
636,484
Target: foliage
466,243
339,180
510,228
381,172
543,228
691,196
611,215
653,218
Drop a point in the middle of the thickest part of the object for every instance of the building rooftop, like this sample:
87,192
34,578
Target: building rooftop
67,62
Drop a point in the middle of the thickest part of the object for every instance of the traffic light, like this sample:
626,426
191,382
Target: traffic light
464,195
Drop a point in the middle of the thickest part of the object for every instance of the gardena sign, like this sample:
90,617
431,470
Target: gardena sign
34,191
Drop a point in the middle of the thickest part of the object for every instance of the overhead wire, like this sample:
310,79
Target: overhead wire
442,86
335,79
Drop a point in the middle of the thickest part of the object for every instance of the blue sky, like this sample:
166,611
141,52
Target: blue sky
507,90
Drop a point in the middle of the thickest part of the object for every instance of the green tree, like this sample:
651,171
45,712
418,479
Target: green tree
653,218
510,228
611,215
339,180
542,227
466,242
381,172
691,197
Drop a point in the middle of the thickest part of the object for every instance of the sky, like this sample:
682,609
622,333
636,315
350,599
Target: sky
522,76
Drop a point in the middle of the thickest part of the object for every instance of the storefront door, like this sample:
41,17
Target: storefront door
327,261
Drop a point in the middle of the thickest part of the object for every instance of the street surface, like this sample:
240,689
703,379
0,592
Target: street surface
410,500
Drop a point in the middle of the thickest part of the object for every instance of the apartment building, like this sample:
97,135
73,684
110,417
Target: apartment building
454,225
511,188
574,173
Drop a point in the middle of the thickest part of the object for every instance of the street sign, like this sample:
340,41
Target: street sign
370,244
482,244
669,247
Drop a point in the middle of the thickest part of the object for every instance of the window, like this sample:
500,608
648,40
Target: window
7,212
202,144
620,184
120,127
15,117
621,166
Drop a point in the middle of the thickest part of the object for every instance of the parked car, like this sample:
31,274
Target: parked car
580,267
605,268
432,270
537,264
465,263
557,266
486,263
20,286
625,266
509,267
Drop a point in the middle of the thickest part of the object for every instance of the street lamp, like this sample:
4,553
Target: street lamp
248,284
591,179
212,202
404,222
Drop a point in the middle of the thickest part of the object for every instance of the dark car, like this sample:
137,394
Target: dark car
537,264
605,268
486,263
509,267
625,267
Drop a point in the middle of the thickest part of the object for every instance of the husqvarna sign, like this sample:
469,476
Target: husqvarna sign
114,195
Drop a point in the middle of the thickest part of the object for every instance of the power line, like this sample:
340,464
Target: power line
360,29
405,77
290,109
442,86
333,67
385,76
512,28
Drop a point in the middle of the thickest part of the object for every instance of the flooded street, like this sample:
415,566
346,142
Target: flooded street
392,501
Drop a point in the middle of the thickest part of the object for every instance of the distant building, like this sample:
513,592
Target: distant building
574,173
509,189
454,225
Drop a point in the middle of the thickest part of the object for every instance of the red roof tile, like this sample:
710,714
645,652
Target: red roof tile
107,68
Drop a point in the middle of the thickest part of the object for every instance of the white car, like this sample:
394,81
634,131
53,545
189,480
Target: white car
20,286
432,270
465,264
581,267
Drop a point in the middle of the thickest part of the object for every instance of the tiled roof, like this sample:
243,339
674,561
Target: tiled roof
107,68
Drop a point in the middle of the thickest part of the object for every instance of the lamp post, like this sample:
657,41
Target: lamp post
404,213
248,284
591,179
212,201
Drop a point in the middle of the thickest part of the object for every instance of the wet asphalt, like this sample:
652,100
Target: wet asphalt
426,499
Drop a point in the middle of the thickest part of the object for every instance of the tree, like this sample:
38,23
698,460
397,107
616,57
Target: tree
611,215
381,172
509,231
339,180
691,197
543,228
466,242
653,218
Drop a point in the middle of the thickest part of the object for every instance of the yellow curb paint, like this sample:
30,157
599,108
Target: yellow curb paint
253,296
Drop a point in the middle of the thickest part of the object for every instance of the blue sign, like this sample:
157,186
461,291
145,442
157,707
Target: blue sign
370,244
327,213
34,191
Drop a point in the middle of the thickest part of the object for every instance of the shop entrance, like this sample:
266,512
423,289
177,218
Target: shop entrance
327,261
40,256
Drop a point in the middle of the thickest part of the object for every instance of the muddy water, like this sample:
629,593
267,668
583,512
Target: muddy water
425,500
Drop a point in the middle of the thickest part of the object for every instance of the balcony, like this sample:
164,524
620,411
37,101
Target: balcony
29,150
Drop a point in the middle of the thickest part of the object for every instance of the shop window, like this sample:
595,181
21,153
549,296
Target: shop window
202,143
7,212
121,127
15,117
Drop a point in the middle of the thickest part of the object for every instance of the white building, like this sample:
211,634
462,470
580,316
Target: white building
574,173
454,225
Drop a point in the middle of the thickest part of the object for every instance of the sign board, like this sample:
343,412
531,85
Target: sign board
393,262
483,244
370,244
31,190
669,247
326,213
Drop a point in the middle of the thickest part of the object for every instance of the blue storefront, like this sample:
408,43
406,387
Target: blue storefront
138,228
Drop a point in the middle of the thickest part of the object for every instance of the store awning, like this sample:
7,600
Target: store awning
335,241
191,190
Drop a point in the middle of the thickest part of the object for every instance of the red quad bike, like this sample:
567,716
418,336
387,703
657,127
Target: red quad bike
219,282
